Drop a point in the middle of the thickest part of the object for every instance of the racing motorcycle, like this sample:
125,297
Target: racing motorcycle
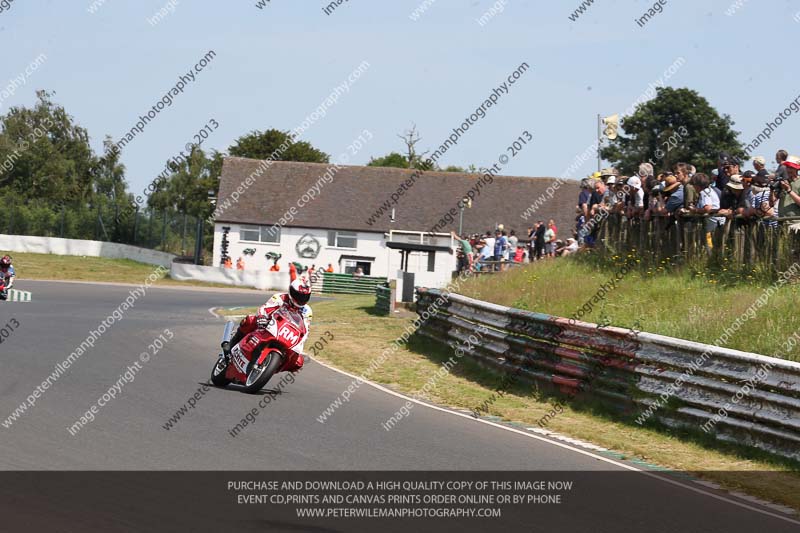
262,353
3,289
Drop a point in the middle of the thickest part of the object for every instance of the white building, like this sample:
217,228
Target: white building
383,220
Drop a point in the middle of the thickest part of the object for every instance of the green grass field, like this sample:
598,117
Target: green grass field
77,268
674,304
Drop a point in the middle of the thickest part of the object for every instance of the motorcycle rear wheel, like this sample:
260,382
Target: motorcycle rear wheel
258,376
218,373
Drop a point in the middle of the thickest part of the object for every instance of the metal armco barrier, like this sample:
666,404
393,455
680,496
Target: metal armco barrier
741,397
18,296
349,284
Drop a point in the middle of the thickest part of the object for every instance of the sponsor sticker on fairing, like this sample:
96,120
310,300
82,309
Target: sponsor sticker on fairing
290,335
239,359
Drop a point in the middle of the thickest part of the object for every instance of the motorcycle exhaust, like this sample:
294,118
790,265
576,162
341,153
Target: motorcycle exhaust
226,335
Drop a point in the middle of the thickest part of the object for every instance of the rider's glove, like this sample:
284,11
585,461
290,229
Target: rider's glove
262,322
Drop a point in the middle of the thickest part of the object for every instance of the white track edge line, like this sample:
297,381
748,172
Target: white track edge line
562,445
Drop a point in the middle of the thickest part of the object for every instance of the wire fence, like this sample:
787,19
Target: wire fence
165,230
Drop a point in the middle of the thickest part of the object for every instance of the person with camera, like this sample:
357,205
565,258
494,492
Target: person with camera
733,201
788,190
764,201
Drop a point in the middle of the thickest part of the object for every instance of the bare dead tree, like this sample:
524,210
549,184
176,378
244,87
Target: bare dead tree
411,138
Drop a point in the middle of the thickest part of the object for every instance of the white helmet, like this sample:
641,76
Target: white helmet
299,292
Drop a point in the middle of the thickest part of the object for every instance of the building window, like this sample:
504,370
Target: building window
271,234
260,234
249,233
342,239
431,261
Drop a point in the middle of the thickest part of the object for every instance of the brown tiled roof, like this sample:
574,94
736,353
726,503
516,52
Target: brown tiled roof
356,193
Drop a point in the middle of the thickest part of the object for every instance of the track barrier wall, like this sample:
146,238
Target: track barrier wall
257,279
349,284
746,398
58,246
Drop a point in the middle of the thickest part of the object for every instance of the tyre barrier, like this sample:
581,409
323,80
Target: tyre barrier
734,396
385,296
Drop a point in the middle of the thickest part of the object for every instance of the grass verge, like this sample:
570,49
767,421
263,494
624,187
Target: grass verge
676,304
360,335
81,268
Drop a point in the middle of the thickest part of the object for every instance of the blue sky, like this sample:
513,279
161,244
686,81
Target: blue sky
275,65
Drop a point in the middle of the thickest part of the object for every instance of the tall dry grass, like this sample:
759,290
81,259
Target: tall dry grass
675,302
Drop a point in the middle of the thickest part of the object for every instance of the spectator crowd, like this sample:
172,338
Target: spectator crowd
500,249
728,192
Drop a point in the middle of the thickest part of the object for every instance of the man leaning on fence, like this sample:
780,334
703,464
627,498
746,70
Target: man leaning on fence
673,190
789,204
733,201
707,203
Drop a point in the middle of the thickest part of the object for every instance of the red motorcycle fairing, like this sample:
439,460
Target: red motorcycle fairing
286,334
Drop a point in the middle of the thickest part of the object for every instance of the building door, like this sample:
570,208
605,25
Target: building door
350,265
365,266
408,287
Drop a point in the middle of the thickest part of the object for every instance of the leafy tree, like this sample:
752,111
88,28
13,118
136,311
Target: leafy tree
186,189
49,154
677,125
397,160
111,191
389,160
109,173
52,183
266,145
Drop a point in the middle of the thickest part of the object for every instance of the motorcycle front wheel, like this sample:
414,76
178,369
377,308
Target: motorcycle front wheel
258,375
218,373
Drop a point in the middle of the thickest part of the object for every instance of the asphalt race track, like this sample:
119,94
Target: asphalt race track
128,433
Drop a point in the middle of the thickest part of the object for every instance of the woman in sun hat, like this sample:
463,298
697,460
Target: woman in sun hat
673,193
636,203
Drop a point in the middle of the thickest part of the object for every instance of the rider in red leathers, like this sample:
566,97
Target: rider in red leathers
7,274
294,300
